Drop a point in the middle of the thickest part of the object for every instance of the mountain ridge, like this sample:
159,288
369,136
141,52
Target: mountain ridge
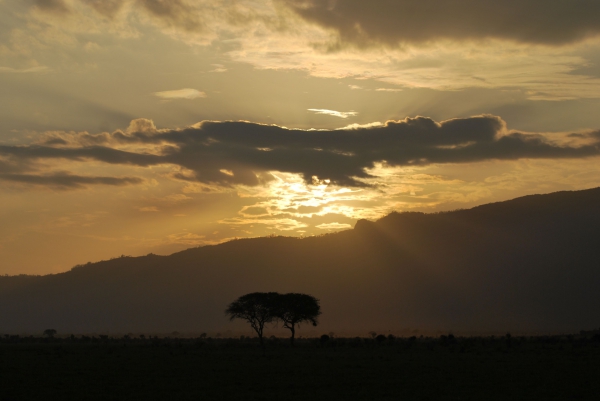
527,264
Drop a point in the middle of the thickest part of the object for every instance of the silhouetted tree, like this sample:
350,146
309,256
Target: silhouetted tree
50,333
380,338
256,308
293,309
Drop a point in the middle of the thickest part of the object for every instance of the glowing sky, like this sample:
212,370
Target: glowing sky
138,126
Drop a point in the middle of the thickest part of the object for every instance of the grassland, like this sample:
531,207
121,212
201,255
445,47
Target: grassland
444,368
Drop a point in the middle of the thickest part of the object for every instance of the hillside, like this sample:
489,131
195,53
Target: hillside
528,264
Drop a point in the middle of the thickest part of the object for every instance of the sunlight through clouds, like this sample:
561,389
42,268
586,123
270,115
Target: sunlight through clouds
290,197
131,126
187,93
333,226
340,114
394,189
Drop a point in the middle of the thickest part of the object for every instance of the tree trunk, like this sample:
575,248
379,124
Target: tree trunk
293,330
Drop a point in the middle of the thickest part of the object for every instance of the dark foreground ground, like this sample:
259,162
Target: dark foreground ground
445,368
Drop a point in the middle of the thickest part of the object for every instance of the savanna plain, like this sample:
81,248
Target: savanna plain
381,368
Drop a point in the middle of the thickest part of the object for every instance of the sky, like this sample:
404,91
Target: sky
130,127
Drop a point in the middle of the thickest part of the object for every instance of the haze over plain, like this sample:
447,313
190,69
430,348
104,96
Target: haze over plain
138,126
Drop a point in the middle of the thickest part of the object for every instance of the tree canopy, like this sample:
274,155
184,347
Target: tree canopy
255,308
259,308
293,308
50,333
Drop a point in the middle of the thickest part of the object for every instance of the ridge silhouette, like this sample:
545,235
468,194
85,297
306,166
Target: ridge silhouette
529,264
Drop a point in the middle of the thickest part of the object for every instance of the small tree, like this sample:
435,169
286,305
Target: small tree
50,333
256,308
293,309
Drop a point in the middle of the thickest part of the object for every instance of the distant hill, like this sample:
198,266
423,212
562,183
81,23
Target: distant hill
528,264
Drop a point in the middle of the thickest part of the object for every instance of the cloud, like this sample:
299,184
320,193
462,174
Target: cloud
180,14
186,93
141,125
442,45
393,23
24,70
202,153
53,6
108,8
189,239
62,180
177,198
281,224
99,153
340,114
175,13
388,90
333,226
219,68
254,211
358,126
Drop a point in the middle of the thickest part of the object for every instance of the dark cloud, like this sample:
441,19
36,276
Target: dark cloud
55,141
21,164
309,209
104,154
82,139
178,14
63,180
6,167
255,211
53,6
393,22
108,8
175,13
235,152
343,155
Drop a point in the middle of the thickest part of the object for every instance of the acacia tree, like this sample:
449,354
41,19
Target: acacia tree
256,308
292,309
50,333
